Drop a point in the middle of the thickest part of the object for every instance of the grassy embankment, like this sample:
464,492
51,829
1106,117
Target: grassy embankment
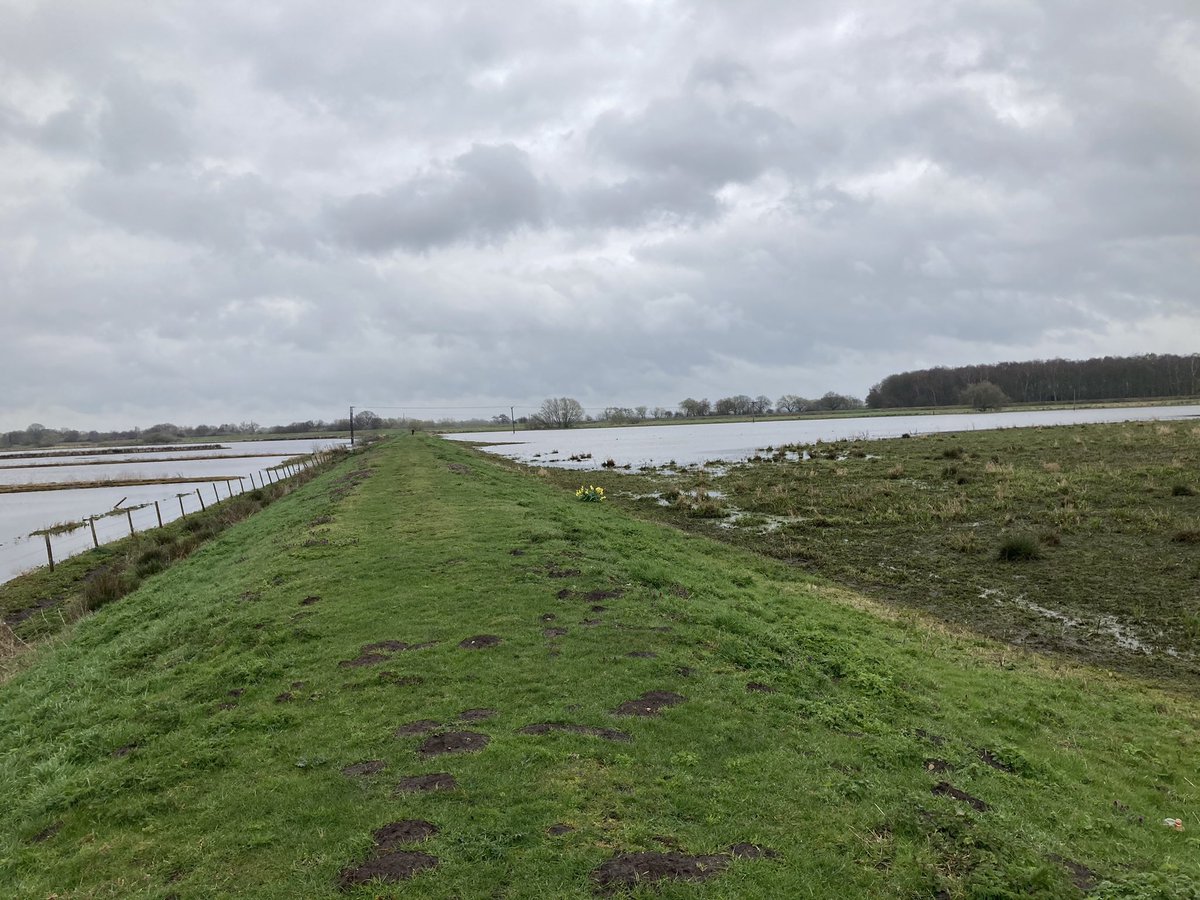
1100,525
191,740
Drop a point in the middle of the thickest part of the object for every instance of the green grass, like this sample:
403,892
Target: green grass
1107,538
228,793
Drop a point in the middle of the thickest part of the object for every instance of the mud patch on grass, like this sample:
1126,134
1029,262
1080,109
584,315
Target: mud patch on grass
565,594
476,715
757,687
752,851
685,671
408,831
597,596
642,654
590,623
651,703
285,697
46,833
990,759
362,769
1081,876
945,789
553,632
388,868
608,734
123,751
559,828
938,766
555,572
310,600
627,870
453,742
434,781
420,726
480,642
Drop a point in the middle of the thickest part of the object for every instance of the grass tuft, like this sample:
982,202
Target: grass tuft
1018,547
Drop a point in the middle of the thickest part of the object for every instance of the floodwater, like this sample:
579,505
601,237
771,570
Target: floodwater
23,513
656,445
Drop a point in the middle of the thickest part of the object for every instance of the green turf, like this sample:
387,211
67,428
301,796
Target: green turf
225,795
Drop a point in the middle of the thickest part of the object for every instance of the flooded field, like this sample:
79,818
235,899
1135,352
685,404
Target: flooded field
656,445
213,471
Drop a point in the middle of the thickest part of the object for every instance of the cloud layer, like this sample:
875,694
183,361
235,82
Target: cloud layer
231,211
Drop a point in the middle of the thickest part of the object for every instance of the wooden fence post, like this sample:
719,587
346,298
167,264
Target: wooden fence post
216,496
201,499
49,552
229,488
158,512
92,523
182,514
129,516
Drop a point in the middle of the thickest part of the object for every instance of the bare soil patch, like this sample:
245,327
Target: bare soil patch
1081,876
435,781
46,833
480,642
408,831
363,659
368,767
627,870
124,751
454,742
555,572
642,654
285,697
938,766
608,734
420,726
310,600
756,687
597,596
388,868
994,761
945,789
553,632
559,828
390,677
651,703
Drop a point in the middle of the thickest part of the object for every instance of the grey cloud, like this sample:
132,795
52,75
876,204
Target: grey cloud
482,195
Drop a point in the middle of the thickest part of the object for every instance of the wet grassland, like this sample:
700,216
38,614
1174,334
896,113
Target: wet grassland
427,673
1082,540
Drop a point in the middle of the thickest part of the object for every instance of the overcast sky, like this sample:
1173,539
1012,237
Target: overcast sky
271,210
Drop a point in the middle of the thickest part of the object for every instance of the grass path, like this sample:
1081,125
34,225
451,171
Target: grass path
192,739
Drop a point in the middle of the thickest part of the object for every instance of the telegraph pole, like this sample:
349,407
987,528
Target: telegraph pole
352,426
511,420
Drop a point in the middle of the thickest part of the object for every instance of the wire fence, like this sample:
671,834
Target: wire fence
52,544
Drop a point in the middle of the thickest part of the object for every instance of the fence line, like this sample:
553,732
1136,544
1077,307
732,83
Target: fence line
273,475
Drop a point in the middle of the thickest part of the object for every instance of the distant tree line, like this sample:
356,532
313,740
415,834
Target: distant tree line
1046,381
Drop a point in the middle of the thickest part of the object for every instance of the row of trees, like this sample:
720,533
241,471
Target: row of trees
563,412
1047,381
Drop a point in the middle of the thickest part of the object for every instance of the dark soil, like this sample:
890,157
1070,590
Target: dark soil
369,767
475,715
46,833
553,632
938,766
421,726
298,685
590,623
755,687
516,551
945,789
390,867
559,828
454,742
642,654
237,692
366,659
597,596
990,759
16,618
555,572
436,781
626,870
598,607
124,751
685,671
565,594
409,831
752,851
1081,876
285,697
609,734
479,642
651,703
384,647
936,739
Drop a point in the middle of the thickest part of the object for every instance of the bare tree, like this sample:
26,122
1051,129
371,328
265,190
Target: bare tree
558,412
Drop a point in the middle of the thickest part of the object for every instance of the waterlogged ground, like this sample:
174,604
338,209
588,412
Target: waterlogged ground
1110,513
24,513
425,674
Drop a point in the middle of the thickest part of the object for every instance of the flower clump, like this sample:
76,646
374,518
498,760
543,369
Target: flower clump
590,494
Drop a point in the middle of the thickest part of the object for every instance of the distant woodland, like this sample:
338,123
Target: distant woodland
1047,381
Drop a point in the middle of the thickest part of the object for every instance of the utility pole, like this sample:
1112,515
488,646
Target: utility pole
511,420
352,426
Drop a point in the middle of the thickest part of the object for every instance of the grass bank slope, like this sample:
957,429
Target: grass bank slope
249,721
